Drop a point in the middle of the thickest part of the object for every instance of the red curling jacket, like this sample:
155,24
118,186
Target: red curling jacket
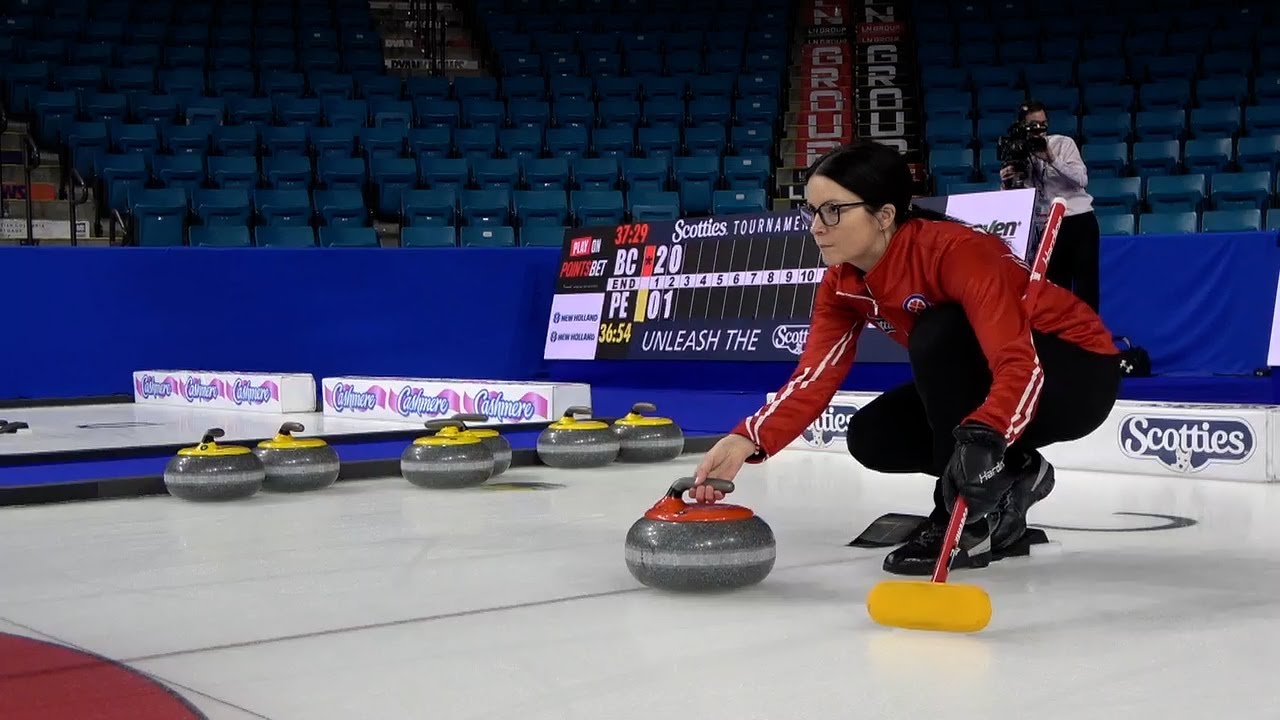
930,262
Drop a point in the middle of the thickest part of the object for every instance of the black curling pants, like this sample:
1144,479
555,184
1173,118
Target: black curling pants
1074,264
908,429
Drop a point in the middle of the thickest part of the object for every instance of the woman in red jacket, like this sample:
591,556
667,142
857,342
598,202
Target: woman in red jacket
993,380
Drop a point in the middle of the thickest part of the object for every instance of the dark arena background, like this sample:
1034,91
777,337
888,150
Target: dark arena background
360,216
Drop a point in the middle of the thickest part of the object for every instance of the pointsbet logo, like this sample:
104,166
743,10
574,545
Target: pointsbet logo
1187,444
831,426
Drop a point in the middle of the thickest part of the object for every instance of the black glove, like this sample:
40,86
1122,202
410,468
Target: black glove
976,470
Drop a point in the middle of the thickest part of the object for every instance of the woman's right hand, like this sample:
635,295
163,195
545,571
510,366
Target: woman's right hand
722,462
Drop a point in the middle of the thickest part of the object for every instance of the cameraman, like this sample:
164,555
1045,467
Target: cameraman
1053,166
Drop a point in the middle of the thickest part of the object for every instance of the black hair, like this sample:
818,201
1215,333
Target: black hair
878,174
1029,107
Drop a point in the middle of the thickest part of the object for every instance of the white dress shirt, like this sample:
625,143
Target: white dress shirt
1065,177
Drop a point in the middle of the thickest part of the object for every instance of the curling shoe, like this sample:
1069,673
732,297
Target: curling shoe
919,554
1033,482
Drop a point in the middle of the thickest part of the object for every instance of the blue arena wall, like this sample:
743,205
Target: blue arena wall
79,321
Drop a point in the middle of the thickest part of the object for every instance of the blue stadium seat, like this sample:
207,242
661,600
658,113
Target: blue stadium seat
135,138
1207,155
1160,125
1243,190
159,217
581,88
1176,193
1223,91
496,173
1116,195
696,179
595,173
222,208
517,88
487,236
1168,223
235,140
619,114
1108,98
342,173
520,143
346,113
1215,121
1259,152
1166,95
485,207
615,142
476,143
382,143
1236,220
185,171
278,86
283,207
1105,160
1156,157
746,172
739,202
547,173
327,86
291,140
1116,224
284,236
239,171
336,142
435,142
569,112
1273,220
1107,127
483,113
542,236
287,172
122,175
950,134
948,166
429,207
344,208
349,236
250,111
645,206
541,207
53,110
224,236
645,174
429,236
569,142
390,177
1262,119
1266,88
706,140
597,208
298,111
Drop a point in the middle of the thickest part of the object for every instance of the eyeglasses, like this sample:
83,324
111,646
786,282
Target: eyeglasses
828,211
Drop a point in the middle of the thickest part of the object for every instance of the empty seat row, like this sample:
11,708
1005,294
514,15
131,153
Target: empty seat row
1257,153
1111,90
1188,222
1222,191
1138,56
506,40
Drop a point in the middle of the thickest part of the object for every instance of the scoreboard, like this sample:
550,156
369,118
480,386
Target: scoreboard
735,287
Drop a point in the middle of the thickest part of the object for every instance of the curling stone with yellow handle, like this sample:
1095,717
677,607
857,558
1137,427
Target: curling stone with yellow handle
491,438
647,439
210,471
447,459
296,464
573,443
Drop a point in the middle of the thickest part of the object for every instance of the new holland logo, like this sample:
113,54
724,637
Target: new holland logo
1187,444
831,426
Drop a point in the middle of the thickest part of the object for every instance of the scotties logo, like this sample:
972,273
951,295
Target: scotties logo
1187,444
831,426
791,338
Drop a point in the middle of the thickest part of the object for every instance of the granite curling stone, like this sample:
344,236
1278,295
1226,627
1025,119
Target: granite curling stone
685,547
573,443
492,439
647,439
297,464
446,460
210,471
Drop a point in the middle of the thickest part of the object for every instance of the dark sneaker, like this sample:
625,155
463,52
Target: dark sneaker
1033,483
919,555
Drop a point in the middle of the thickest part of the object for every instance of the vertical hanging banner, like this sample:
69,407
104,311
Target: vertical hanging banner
887,100
825,117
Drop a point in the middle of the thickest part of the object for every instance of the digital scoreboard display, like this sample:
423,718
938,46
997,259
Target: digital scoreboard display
736,287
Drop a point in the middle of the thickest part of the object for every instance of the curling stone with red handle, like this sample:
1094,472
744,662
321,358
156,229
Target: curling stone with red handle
573,443
699,546
210,471
646,438
296,464
446,459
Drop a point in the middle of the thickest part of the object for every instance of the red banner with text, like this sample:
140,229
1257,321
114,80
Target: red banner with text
825,117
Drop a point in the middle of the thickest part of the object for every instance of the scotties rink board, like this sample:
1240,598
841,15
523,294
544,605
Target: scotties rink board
1208,441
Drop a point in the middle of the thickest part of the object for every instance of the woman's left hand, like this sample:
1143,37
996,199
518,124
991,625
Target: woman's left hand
976,470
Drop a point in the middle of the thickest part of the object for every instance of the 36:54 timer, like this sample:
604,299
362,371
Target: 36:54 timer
615,333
